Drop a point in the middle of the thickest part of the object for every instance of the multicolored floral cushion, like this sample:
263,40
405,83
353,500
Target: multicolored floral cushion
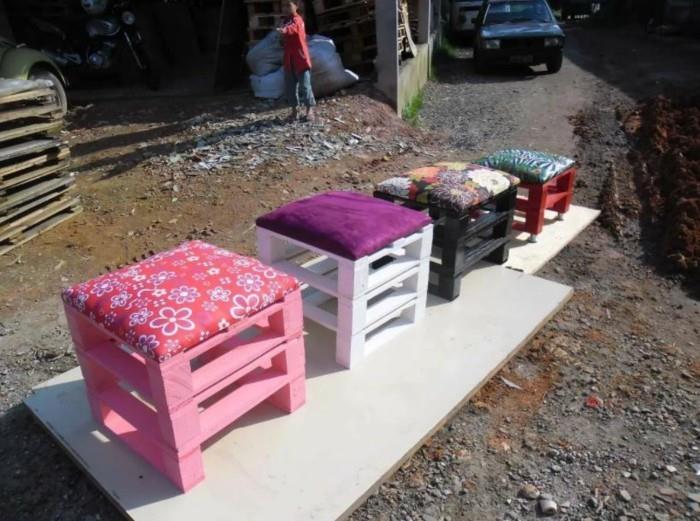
453,186
177,299
528,165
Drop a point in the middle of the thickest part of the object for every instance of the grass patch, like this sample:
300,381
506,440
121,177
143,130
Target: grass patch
411,111
447,48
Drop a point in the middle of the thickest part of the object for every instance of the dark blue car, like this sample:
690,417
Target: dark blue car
517,32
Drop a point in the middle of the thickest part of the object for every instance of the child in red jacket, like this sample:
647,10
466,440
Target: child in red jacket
297,62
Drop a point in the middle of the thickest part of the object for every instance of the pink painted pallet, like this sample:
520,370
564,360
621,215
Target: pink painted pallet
165,410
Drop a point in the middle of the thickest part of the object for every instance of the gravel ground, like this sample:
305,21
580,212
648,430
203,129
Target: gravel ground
606,422
605,419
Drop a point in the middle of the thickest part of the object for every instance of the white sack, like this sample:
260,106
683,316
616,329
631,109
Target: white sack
327,72
269,86
267,55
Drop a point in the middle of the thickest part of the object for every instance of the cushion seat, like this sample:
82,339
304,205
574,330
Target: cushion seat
346,224
177,299
455,187
528,165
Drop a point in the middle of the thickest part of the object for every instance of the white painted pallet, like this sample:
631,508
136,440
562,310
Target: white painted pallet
356,428
364,305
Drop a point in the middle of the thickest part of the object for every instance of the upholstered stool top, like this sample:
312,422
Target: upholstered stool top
346,224
177,299
528,165
453,186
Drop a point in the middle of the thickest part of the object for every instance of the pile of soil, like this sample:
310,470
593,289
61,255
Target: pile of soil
667,161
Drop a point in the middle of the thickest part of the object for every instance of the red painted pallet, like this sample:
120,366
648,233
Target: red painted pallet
556,194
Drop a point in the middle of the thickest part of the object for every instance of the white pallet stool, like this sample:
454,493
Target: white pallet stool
376,297
366,300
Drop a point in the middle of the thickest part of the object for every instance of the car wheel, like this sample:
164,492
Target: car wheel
554,64
43,74
479,65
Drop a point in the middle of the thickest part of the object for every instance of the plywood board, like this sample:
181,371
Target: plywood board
531,257
356,428
28,147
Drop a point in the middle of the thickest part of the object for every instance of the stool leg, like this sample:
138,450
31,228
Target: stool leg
534,215
452,259
505,203
291,362
420,250
96,379
350,337
271,248
566,185
178,418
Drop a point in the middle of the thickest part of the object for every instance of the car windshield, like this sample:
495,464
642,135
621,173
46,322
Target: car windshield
517,11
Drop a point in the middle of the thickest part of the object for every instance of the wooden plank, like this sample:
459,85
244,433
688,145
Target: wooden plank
41,228
32,204
34,191
18,226
49,109
28,95
34,174
9,87
26,148
37,128
407,391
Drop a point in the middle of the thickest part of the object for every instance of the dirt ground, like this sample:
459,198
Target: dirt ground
607,418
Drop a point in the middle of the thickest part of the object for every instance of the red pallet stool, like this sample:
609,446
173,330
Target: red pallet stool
173,349
546,183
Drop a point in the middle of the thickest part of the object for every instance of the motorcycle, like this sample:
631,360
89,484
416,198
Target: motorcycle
110,33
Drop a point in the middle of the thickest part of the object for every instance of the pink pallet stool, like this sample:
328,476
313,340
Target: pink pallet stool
175,348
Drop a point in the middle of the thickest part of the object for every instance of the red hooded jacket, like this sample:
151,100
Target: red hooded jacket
296,52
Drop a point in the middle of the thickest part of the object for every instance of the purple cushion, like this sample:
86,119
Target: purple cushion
347,224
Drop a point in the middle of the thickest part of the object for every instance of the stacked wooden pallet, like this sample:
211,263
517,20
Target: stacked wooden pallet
351,25
35,188
263,16
406,45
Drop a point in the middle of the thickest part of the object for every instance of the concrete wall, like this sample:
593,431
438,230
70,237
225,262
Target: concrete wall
401,83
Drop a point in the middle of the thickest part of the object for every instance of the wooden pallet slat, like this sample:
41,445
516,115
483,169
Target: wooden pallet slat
17,226
27,148
33,175
34,191
28,130
34,183
42,227
52,110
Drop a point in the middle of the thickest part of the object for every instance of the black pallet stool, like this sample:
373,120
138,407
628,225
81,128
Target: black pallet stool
472,209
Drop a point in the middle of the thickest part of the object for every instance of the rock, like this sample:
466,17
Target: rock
662,517
547,507
592,502
667,491
625,496
594,402
693,496
529,491
671,469
556,469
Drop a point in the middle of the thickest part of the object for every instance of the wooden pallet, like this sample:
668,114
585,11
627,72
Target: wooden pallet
323,6
263,7
267,21
34,183
350,13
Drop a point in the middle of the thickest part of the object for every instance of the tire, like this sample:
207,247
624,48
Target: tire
43,74
479,65
554,64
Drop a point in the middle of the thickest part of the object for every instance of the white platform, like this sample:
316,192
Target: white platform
531,257
356,428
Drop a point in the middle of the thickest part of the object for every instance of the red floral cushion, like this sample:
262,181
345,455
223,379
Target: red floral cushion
177,299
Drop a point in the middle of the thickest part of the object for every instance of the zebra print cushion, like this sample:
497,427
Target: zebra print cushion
528,165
